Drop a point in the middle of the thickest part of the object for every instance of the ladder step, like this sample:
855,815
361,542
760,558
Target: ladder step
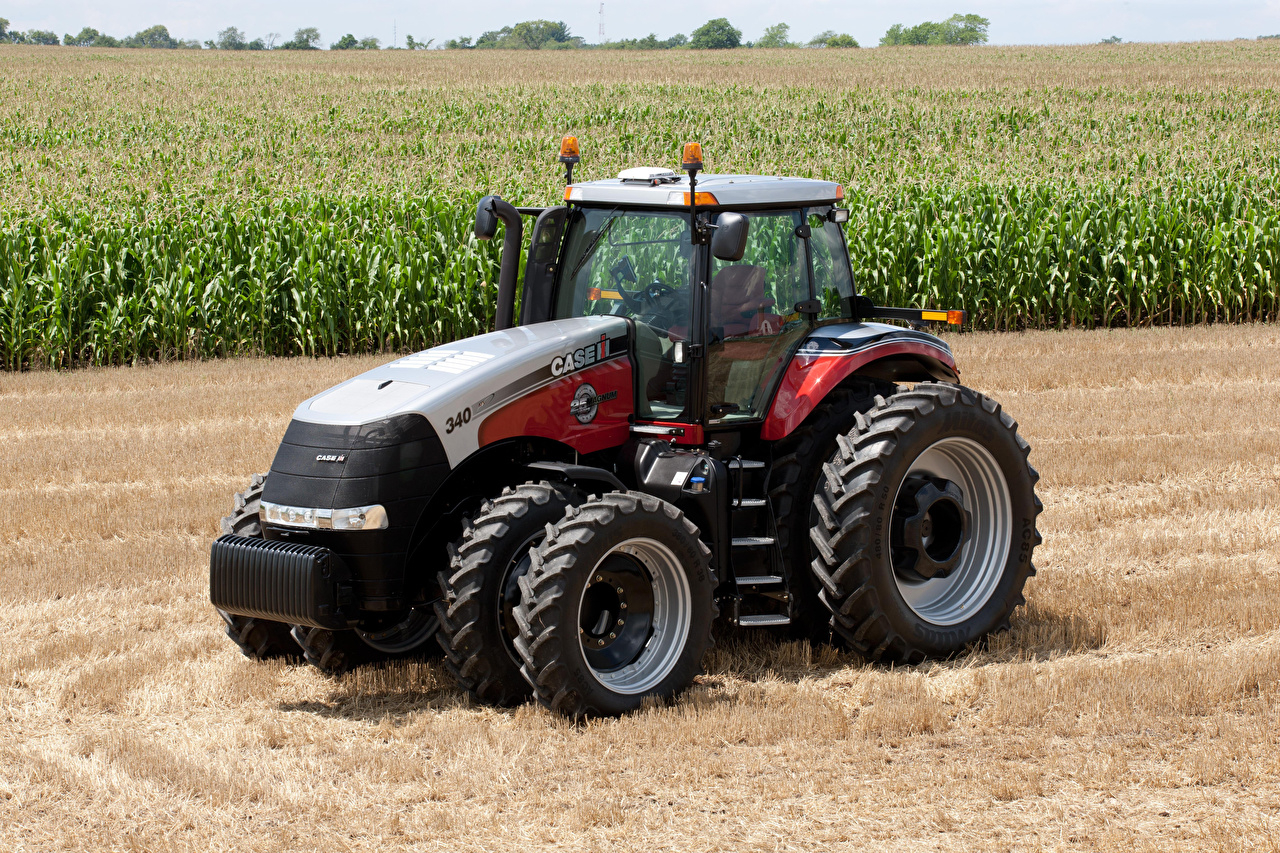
764,619
745,463
748,502
759,580
751,541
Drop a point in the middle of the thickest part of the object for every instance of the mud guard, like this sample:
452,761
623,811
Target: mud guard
821,364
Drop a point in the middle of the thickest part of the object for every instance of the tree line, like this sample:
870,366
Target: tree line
716,34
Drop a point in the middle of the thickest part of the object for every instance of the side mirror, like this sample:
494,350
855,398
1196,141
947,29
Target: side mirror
729,243
486,219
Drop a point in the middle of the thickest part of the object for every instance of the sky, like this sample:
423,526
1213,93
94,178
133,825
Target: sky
1012,22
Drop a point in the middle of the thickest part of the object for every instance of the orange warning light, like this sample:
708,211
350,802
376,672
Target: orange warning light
691,157
702,199
569,150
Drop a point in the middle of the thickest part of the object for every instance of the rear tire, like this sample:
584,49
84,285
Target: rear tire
905,581
260,639
480,592
617,606
793,480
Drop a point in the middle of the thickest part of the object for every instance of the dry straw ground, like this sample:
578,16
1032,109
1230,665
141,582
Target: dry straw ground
1135,705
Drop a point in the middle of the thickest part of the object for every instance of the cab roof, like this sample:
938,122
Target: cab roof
662,188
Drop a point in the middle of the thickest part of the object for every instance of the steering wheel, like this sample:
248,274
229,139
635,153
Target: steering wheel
657,290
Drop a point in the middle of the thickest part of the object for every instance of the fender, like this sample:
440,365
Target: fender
825,360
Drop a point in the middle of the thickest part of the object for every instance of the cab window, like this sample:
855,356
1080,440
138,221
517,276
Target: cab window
634,264
752,319
832,277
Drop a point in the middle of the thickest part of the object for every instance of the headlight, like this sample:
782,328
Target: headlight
353,518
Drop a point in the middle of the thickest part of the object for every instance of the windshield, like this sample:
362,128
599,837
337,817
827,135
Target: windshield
636,264
627,263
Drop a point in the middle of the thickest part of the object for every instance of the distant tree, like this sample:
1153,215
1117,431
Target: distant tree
463,43
526,35
86,38
269,40
307,38
956,30
256,44
4,30
1260,38
716,34
775,36
157,37
46,37
189,44
1112,40
535,35
347,42
413,44
369,43
231,39
830,38
649,42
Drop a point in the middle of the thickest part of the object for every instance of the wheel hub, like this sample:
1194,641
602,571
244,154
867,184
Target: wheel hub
930,528
616,619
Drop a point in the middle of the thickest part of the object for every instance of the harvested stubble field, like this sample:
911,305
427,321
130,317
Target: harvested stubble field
1135,705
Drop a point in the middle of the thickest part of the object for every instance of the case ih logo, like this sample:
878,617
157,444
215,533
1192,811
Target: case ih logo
580,358
586,403
331,457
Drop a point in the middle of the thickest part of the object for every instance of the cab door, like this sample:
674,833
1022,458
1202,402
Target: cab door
754,319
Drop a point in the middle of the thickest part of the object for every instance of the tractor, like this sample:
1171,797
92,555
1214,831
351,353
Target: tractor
694,417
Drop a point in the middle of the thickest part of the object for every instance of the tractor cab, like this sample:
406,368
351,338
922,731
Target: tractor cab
722,277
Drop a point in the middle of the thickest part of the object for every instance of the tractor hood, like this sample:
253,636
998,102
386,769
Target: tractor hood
456,386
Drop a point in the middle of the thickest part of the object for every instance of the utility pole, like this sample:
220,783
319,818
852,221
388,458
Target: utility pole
602,23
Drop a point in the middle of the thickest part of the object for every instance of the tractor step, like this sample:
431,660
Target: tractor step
759,580
763,620
745,463
748,502
752,541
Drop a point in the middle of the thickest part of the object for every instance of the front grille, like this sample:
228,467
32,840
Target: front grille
284,582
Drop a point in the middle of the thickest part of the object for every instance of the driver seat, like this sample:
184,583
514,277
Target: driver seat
738,300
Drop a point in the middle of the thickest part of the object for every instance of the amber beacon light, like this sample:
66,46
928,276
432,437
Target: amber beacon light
691,157
569,155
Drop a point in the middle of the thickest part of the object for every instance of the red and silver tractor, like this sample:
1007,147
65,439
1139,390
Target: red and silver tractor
691,417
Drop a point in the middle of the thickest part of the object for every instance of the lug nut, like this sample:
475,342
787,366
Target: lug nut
612,636
619,621
599,578
619,590
624,605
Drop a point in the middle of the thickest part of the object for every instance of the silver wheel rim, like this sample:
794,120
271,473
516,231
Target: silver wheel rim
403,636
671,618
959,596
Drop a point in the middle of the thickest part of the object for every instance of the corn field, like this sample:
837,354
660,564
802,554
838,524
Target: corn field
155,206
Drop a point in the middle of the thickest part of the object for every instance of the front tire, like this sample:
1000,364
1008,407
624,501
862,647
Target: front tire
617,606
926,524
480,593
